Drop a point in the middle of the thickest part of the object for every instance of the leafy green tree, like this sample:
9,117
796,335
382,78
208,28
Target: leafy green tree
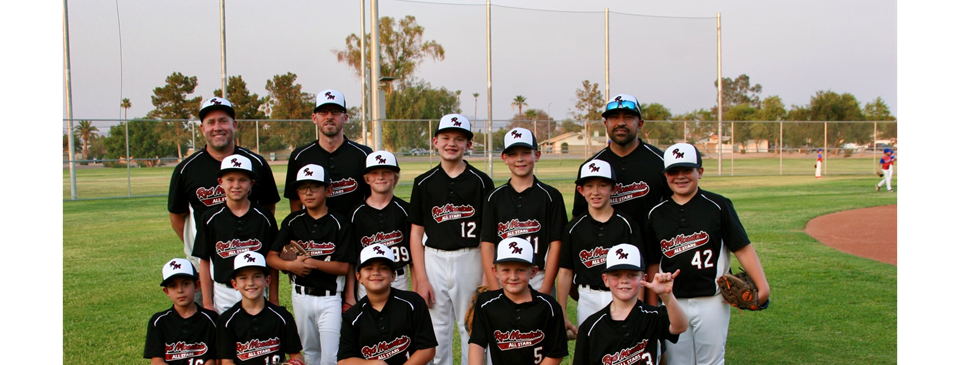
665,133
125,104
402,49
877,110
171,102
535,120
145,143
285,101
85,131
497,137
246,106
698,124
570,126
771,109
589,107
419,100
830,106
739,91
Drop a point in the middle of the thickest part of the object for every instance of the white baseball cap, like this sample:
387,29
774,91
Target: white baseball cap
681,155
178,267
595,168
236,163
514,249
624,257
376,251
381,159
454,122
312,172
249,259
622,102
330,96
216,103
519,137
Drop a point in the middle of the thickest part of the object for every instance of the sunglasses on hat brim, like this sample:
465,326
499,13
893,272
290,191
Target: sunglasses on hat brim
623,104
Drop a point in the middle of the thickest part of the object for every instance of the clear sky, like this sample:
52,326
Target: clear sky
663,52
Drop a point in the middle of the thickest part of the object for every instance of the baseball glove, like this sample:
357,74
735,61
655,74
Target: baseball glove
292,250
739,291
468,319
879,174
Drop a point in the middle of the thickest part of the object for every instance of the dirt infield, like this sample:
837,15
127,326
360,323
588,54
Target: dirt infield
868,232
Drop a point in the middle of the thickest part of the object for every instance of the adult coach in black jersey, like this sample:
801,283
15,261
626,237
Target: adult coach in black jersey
637,164
342,158
194,187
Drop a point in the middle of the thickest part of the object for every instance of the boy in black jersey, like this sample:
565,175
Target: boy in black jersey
184,334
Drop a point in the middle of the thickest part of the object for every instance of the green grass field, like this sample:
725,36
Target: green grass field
827,306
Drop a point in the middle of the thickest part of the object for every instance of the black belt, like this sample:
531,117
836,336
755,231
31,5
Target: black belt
400,271
317,292
595,287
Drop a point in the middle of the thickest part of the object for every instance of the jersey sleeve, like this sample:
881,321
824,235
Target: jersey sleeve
291,339
177,200
581,352
649,248
480,328
488,223
423,335
734,235
154,345
663,325
293,166
636,239
416,204
558,217
283,236
201,246
346,250
556,346
349,336
566,251
226,344
268,193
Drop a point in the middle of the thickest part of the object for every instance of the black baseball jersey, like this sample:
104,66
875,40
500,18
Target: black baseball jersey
221,235
536,214
264,338
194,183
640,181
182,341
326,239
634,340
523,333
586,242
389,226
344,165
450,209
696,238
393,334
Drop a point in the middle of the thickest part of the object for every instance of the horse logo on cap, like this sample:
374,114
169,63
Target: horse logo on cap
235,162
329,96
378,250
516,134
249,258
594,167
175,265
380,159
621,255
619,101
215,101
677,154
456,123
517,250
307,172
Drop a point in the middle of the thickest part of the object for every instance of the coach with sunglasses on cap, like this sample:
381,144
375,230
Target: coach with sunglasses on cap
637,165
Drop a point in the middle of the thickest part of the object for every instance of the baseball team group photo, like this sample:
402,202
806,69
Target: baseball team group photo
388,223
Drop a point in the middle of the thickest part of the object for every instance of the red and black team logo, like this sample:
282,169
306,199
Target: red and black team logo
629,356
175,265
514,248
596,256
516,134
318,248
621,255
683,243
385,350
343,186
451,212
594,167
515,339
629,192
211,196
676,153
181,350
307,172
329,95
516,228
215,101
231,248
255,348
235,162
388,239
456,123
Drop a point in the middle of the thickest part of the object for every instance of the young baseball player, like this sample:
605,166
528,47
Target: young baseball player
694,231
819,164
586,240
524,207
517,323
255,331
318,279
342,157
446,205
235,227
627,331
382,217
886,165
389,325
184,334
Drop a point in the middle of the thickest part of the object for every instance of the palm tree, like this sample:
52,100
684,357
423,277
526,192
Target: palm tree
85,131
519,102
125,104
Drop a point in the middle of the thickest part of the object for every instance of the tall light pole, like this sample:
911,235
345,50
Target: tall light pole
378,113
223,49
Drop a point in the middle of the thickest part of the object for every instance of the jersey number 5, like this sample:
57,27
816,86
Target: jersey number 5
702,259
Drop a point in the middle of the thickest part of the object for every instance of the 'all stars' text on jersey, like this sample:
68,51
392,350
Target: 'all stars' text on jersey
231,248
517,228
515,339
451,212
633,355
683,243
385,350
343,186
318,248
629,192
181,350
211,196
256,348
594,257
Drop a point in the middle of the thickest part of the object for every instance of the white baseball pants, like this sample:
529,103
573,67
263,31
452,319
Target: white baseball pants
224,296
887,176
318,323
705,340
454,276
591,301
